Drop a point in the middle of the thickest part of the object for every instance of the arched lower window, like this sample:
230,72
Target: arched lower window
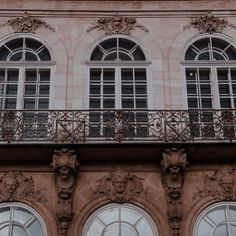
217,220
20,220
25,71
210,71
120,220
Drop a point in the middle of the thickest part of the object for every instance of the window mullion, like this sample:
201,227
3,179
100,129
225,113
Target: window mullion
118,90
21,89
215,88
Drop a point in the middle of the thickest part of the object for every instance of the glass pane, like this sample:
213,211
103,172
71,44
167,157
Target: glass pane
127,89
126,44
108,75
95,228
231,53
126,75
191,74
44,55
225,103
43,90
44,75
22,216
32,44
4,214
29,103
111,56
217,215
220,44
139,55
192,103
108,103
127,230
206,103
233,74
191,89
130,215
97,54
127,103
190,54
109,44
112,230
203,56
30,90
18,231
29,56
140,74
94,103
43,103
1,89
144,228
202,43
16,56
95,74
141,103
95,89
4,231
12,75
2,75
35,229
205,89
140,89
124,57
221,231
15,43
10,103
218,56
109,216
222,74
204,74
232,213
109,89
31,75
224,89
11,89
204,229
3,53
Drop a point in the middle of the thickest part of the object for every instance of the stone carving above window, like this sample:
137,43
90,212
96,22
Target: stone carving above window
218,184
27,24
117,25
14,186
209,24
120,186
173,164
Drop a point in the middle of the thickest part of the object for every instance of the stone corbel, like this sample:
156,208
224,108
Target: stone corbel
65,167
173,164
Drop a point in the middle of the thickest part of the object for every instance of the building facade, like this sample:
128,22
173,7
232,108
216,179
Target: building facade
118,118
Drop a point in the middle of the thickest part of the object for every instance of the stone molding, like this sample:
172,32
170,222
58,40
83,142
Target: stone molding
173,165
218,184
65,167
14,186
117,25
27,24
120,186
209,24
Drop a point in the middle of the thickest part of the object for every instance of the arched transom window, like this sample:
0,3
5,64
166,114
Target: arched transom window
120,220
118,75
217,220
210,70
25,71
20,220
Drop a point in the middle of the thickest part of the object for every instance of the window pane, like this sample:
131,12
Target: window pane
108,75
29,56
95,74
190,54
43,103
192,103
31,75
204,74
18,231
10,103
97,54
127,89
95,89
127,103
233,74
138,55
11,89
206,103
16,56
44,75
140,74
205,89
30,90
224,89
36,229
108,89
231,53
108,103
43,90
191,74
222,74
204,56
4,52
140,89
2,75
15,43
33,44
124,57
191,89
126,75
225,103
141,103
12,75
44,55
29,103
94,103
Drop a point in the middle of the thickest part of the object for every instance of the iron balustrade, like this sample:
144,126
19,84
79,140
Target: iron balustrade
119,126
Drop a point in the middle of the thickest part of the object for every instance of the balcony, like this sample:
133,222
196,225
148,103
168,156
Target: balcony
117,126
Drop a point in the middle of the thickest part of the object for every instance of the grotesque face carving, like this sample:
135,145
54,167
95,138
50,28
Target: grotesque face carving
120,183
11,184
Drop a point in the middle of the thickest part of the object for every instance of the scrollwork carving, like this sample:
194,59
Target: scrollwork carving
209,24
65,167
27,24
218,184
173,164
117,25
120,186
14,186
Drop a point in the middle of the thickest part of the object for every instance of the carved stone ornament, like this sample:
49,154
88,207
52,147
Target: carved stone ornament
14,186
219,184
120,186
65,167
117,25
27,24
209,24
173,164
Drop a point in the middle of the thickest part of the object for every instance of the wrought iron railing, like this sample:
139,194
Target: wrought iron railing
87,126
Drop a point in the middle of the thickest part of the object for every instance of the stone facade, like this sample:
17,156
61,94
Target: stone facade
172,182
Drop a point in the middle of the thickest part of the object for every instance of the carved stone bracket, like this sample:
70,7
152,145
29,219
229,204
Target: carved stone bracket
65,167
209,24
120,186
173,164
117,25
27,24
218,184
14,186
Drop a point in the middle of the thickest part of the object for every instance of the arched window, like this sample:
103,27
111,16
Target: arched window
210,71
120,220
118,76
20,219
217,220
25,71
